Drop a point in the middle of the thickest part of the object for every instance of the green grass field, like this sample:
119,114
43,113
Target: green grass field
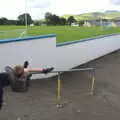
63,33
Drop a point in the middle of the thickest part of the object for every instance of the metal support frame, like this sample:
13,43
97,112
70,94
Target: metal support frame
92,84
58,97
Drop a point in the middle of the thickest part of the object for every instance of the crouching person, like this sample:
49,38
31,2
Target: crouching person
19,79
20,76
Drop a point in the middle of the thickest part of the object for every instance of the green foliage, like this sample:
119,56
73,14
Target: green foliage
81,22
21,19
54,19
63,21
70,20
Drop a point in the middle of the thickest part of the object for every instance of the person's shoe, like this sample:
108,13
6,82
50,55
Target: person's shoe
0,106
26,63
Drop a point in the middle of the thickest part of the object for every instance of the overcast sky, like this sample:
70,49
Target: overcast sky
11,9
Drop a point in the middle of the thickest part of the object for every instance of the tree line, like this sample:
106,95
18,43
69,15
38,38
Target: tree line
50,19
20,21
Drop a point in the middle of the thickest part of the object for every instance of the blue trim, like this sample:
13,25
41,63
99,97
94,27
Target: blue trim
53,35
27,38
83,40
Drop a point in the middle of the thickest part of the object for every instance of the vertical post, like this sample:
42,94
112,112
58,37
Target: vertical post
26,17
93,82
58,90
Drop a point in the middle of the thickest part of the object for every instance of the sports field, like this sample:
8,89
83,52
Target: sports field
63,33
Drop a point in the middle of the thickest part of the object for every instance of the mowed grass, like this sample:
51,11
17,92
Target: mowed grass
63,33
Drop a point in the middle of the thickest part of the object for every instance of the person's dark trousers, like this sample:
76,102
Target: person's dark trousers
4,81
1,96
28,79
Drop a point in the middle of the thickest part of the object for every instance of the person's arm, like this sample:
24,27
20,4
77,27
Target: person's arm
27,69
33,69
42,70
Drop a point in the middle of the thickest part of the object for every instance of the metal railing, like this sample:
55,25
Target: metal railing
58,97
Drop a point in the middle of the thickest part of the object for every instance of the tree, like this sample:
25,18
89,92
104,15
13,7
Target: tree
70,20
3,21
81,23
63,21
48,17
11,22
55,20
21,19
52,19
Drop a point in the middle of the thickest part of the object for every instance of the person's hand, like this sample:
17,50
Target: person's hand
47,70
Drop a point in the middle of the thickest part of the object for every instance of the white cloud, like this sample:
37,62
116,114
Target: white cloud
39,4
77,6
37,8
116,2
11,8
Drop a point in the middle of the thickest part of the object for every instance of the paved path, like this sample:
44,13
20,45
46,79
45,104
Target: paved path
39,103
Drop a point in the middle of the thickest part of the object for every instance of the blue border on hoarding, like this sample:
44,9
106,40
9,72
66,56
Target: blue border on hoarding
53,35
83,40
27,38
